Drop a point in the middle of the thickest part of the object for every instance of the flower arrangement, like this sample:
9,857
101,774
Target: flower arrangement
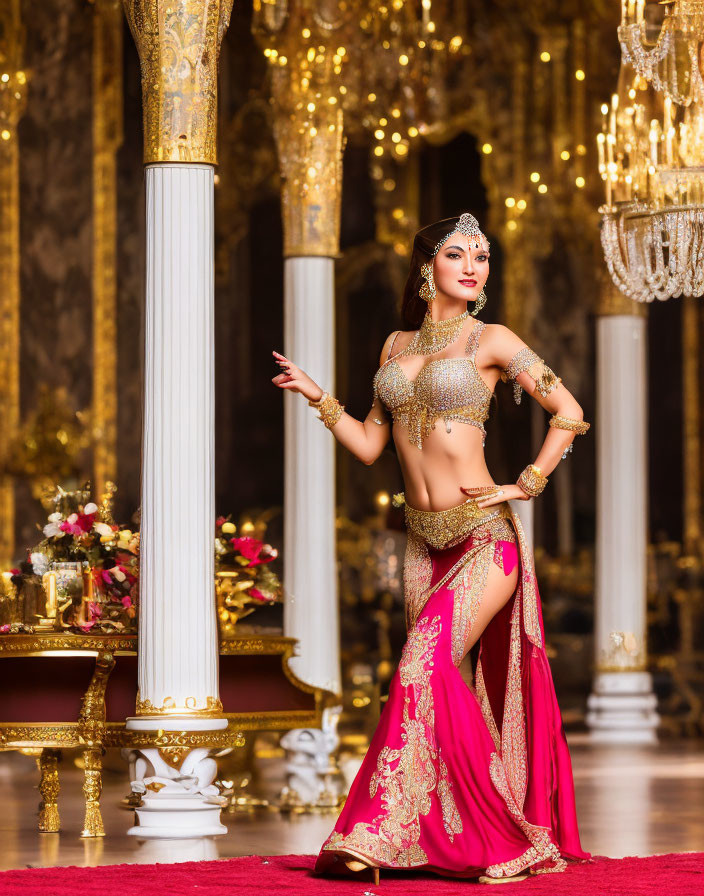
98,561
244,580
86,570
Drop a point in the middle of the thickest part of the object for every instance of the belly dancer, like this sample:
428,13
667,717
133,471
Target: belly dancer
465,780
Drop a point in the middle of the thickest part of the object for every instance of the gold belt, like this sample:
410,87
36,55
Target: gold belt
442,529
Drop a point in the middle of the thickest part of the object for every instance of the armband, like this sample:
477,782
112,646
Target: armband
527,361
578,426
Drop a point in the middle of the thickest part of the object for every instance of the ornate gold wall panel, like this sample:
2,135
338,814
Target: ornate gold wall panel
691,426
179,45
107,139
13,85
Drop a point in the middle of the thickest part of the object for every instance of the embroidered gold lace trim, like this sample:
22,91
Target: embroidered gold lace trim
407,776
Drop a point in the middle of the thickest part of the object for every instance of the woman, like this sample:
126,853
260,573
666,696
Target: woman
464,780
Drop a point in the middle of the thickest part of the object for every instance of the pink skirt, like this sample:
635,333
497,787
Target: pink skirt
461,779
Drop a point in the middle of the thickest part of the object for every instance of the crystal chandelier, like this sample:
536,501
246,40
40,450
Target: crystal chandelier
651,158
671,56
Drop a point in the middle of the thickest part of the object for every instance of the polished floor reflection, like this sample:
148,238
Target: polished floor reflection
630,800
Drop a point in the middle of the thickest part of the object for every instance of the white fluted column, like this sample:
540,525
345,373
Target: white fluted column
178,648
310,567
622,706
178,645
178,659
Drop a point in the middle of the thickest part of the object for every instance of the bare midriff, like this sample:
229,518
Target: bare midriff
433,476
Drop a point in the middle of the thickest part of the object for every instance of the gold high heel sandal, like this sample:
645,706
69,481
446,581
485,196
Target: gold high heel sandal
358,865
501,880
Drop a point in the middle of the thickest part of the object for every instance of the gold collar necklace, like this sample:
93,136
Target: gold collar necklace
435,335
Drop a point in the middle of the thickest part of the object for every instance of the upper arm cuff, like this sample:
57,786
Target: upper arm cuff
526,361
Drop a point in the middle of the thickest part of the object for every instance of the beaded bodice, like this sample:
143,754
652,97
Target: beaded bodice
450,388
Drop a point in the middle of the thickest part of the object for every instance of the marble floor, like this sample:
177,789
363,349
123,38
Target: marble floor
630,801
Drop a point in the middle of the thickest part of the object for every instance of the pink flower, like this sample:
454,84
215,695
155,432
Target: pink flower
127,601
106,577
249,548
85,522
257,595
4,628
95,609
15,571
219,521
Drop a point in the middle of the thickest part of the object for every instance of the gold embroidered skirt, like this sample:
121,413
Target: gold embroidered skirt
441,529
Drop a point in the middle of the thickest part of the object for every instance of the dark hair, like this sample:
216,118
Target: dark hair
413,308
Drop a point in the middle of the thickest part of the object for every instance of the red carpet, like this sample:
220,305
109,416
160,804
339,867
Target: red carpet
675,874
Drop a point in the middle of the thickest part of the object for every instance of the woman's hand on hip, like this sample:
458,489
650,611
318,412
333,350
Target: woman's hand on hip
295,379
501,493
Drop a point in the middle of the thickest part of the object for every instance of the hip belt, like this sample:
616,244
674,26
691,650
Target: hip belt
442,529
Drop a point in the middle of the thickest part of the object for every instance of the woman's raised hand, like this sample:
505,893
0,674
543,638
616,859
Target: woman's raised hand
295,379
501,493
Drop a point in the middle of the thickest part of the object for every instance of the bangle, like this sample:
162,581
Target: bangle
578,426
329,409
532,480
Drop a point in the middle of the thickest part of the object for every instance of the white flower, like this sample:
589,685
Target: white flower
52,529
90,508
102,528
55,517
40,563
72,519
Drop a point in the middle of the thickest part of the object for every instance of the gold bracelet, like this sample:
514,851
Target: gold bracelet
532,480
329,409
578,426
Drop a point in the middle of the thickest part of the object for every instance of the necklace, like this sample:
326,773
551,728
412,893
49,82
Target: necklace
435,335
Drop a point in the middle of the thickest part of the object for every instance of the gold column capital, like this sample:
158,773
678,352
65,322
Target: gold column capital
307,52
179,46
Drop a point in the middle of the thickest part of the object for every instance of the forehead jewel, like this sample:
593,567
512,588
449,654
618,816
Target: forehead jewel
467,225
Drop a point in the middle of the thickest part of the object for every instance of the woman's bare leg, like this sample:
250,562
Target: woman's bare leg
497,593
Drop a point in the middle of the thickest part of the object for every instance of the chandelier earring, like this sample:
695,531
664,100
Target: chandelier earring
480,302
427,290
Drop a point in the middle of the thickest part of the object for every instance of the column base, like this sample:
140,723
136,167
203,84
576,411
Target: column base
622,709
175,781
178,816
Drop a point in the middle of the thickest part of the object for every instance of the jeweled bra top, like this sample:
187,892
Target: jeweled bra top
450,388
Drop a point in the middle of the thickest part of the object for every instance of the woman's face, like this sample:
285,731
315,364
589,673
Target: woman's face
460,271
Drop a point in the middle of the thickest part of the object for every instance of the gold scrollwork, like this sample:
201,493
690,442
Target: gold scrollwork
213,707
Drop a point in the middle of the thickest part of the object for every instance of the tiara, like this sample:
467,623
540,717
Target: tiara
467,225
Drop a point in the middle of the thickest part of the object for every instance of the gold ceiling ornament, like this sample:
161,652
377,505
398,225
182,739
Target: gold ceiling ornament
651,158
179,47
405,55
13,98
305,44
665,51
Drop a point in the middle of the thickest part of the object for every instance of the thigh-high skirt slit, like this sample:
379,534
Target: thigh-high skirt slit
464,779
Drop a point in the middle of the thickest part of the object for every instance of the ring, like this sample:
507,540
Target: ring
500,491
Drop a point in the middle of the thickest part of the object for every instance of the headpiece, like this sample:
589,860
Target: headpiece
467,225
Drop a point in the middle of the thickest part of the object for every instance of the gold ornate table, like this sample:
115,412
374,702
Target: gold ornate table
75,690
